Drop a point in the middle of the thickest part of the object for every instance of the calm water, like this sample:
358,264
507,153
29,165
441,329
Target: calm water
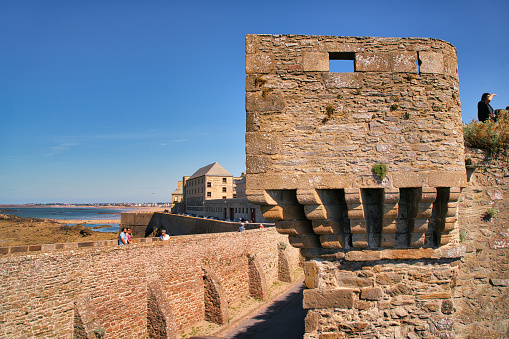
72,213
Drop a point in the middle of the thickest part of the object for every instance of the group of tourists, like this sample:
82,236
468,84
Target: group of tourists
484,110
125,237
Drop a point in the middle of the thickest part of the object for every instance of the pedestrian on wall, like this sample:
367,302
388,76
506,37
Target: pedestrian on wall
484,109
129,236
242,228
122,237
164,236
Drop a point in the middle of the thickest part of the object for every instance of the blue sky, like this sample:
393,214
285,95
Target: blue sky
115,101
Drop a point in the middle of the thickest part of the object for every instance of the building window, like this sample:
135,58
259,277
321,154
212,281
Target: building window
224,180
209,184
224,189
224,197
209,194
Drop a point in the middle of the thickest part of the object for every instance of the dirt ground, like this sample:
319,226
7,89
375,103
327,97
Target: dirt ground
16,231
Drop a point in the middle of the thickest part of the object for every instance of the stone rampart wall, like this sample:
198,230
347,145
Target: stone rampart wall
482,285
136,290
144,223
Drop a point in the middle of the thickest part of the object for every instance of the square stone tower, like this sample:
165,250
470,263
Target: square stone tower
360,166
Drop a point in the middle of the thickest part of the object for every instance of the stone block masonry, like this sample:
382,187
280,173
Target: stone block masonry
145,290
313,138
363,170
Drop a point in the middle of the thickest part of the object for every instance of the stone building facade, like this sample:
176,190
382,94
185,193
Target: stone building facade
363,170
212,191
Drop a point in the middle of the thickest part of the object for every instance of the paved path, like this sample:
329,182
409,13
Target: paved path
282,318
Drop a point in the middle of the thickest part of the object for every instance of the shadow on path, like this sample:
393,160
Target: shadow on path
283,318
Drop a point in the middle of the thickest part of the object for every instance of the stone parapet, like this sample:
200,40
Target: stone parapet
314,138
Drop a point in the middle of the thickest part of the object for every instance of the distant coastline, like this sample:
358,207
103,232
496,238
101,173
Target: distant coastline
71,214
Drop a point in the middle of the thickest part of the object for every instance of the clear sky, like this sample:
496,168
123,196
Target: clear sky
115,101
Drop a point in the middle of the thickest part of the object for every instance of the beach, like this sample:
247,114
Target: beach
16,231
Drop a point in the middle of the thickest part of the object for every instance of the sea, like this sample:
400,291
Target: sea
71,213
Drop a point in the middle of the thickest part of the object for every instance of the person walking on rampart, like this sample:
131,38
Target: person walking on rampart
122,238
129,236
484,109
164,236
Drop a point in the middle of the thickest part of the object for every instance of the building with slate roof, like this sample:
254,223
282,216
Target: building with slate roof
212,192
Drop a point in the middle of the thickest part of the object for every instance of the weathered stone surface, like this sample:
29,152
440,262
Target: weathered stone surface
500,282
499,243
343,80
431,62
436,295
311,322
363,255
304,241
259,63
371,293
295,227
447,307
327,226
373,62
418,253
311,271
404,62
399,289
315,62
332,241
261,143
328,298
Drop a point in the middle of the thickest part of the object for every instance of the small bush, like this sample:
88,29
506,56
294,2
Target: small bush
329,110
463,236
394,107
379,171
490,213
490,135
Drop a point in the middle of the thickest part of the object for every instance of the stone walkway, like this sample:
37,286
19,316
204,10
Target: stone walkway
282,317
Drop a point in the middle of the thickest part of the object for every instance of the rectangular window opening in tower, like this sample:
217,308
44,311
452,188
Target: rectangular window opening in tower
341,62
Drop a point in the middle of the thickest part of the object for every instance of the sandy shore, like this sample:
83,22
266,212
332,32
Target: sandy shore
110,220
15,231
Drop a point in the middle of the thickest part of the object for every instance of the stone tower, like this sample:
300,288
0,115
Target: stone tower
363,170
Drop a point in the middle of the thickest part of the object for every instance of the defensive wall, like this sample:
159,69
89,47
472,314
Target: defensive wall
142,224
151,289
364,171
